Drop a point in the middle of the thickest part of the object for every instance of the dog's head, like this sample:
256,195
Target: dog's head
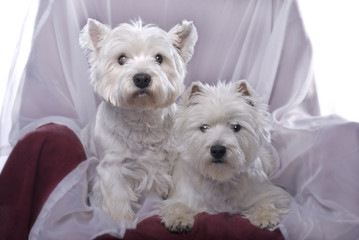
221,129
140,66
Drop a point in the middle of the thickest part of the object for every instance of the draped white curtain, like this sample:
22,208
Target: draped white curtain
17,26
261,41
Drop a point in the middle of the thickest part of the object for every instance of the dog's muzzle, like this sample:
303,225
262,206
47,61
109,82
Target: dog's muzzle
141,80
217,152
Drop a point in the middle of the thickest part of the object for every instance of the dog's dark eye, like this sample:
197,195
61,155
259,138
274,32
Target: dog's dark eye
236,127
204,127
158,58
122,59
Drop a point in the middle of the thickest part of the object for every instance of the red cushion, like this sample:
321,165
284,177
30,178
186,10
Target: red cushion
220,226
38,162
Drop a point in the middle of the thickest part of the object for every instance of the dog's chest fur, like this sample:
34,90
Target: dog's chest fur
139,132
220,197
137,144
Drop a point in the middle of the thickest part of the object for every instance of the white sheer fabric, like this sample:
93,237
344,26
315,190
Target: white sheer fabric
261,41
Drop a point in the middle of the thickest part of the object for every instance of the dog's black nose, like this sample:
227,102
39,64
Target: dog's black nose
141,80
218,151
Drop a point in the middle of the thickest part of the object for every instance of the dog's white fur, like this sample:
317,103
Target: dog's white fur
132,130
236,181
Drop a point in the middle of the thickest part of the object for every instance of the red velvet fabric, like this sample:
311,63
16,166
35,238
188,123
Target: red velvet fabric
38,162
206,227
45,156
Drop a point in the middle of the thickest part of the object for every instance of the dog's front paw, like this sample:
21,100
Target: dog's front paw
264,216
177,217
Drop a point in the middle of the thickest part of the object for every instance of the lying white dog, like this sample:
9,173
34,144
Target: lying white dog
223,136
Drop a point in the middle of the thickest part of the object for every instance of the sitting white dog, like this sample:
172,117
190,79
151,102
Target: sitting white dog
223,136
138,72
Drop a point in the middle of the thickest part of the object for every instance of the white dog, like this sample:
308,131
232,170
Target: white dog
223,136
138,72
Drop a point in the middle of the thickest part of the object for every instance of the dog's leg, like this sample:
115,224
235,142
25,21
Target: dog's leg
264,215
177,216
271,204
113,192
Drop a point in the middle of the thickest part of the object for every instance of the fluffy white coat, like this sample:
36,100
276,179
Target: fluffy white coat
222,133
138,72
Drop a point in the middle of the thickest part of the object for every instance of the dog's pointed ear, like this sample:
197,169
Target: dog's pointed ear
195,89
91,36
244,88
184,36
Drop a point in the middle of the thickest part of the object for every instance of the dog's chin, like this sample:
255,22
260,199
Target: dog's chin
150,99
219,170
142,95
139,99
142,99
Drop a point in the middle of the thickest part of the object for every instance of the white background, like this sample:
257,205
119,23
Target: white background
332,26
